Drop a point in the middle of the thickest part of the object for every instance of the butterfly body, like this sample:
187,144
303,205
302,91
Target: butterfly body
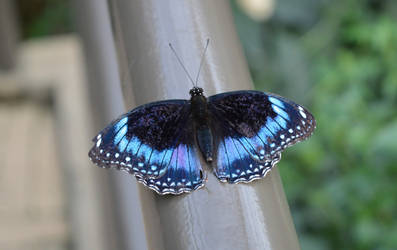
239,134
200,114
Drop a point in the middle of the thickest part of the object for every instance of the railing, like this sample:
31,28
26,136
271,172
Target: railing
218,216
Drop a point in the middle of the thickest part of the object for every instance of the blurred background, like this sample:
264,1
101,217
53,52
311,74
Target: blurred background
338,58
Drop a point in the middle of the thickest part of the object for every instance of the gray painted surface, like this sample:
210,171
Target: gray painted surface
219,216
122,216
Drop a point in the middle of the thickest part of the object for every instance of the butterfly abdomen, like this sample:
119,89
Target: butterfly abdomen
203,132
205,142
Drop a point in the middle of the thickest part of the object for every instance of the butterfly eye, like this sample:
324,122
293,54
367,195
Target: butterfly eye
196,91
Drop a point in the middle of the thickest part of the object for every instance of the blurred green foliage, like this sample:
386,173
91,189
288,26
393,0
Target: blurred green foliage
44,17
339,59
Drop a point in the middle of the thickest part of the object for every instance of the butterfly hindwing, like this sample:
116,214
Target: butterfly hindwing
253,128
184,173
234,164
155,143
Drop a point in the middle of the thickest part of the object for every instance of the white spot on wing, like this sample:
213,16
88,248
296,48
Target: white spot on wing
302,112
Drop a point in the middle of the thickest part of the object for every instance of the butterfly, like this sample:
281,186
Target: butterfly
240,134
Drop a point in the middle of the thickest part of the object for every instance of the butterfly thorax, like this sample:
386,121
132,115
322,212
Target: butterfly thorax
199,110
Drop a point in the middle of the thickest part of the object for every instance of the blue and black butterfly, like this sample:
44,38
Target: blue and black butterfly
239,134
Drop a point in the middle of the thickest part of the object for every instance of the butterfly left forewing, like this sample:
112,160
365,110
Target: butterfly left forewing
152,142
253,128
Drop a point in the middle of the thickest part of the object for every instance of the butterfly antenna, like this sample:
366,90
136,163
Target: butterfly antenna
181,63
202,60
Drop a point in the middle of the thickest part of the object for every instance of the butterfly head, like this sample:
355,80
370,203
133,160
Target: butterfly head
196,91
